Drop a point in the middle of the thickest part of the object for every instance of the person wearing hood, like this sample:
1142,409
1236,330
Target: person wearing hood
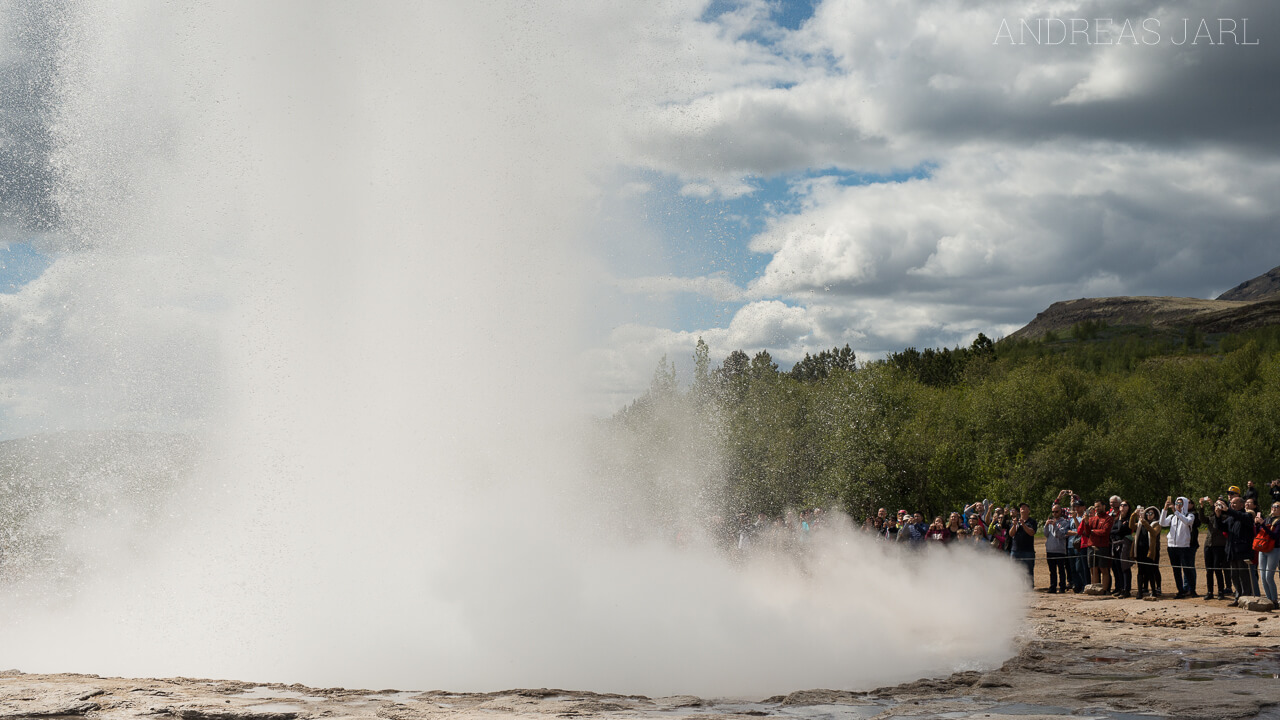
1145,524
1179,518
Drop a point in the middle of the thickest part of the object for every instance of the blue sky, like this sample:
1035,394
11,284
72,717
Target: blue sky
701,236
20,263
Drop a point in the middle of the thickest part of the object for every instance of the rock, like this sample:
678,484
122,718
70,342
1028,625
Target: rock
1255,603
1150,598
206,713
1093,590
823,697
51,710
676,702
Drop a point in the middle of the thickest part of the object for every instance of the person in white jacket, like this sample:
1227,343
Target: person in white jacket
1179,518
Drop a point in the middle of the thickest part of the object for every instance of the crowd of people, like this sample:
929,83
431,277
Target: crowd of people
1104,542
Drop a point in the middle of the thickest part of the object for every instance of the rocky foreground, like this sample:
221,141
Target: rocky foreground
1079,656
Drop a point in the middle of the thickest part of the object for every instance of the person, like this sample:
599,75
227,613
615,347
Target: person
1250,492
954,525
892,525
975,513
914,531
978,536
939,532
1121,547
1023,542
1077,560
975,524
1268,560
1196,522
1255,587
1215,548
1145,524
882,515
819,521
1095,538
1179,519
1239,523
999,530
1056,534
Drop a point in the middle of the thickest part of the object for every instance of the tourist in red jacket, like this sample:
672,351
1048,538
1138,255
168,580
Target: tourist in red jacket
1095,539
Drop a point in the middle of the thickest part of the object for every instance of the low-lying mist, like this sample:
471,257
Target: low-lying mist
339,248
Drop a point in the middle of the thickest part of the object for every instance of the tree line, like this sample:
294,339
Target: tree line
1101,411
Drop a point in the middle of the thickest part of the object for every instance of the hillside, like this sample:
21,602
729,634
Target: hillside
1251,304
1264,286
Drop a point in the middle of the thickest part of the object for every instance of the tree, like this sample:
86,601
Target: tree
664,379
982,346
763,366
819,367
730,379
701,365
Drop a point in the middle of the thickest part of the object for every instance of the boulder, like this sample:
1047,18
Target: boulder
1093,590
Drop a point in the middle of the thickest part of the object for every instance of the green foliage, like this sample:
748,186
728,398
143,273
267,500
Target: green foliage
1088,329
821,366
1139,412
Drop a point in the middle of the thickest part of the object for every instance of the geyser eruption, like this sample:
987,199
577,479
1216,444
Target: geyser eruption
341,245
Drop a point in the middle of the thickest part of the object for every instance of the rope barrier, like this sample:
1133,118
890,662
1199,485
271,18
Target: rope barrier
1155,564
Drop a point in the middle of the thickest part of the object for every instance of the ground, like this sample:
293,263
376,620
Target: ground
1078,655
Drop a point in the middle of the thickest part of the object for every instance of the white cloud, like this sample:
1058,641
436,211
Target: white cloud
769,323
717,287
1048,215
727,188
871,86
634,189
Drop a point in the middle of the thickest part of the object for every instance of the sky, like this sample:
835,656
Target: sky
912,173
797,175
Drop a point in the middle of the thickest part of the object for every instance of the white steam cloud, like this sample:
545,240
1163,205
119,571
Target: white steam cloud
339,242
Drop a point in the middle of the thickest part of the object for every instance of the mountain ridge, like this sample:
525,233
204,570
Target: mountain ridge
1251,304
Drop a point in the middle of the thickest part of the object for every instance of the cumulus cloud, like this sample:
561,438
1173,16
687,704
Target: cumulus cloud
1049,216
1136,163
866,85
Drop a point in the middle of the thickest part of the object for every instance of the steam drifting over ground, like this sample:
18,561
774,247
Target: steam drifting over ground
270,217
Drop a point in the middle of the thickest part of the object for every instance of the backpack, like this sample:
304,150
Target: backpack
1262,540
